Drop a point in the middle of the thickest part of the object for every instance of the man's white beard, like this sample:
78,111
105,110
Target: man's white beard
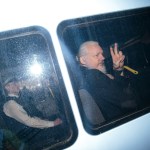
102,68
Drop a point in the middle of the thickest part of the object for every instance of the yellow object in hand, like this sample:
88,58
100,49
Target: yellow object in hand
130,69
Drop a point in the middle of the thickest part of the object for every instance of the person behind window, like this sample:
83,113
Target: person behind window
22,117
13,109
109,91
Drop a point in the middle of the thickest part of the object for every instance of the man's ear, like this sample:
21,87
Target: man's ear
82,60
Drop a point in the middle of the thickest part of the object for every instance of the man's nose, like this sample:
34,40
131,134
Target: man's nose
102,57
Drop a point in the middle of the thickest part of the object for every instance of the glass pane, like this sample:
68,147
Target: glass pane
111,87
34,112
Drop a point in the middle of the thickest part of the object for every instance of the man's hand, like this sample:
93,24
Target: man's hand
117,58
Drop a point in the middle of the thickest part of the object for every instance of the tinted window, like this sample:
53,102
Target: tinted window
35,111
131,31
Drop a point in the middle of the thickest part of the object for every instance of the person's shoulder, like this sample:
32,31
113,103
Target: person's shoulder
85,69
8,105
95,72
82,68
10,102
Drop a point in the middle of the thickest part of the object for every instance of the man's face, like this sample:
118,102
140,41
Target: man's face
94,58
12,88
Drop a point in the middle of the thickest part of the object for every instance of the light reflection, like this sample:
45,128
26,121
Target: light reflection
36,69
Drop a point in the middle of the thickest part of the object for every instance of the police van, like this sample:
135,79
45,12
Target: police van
44,103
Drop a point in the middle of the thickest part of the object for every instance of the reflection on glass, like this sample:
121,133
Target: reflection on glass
30,96
108,58
35,68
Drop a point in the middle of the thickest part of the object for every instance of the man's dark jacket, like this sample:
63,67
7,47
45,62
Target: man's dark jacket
114,97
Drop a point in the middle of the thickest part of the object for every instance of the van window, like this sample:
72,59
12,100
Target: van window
109,94
35,112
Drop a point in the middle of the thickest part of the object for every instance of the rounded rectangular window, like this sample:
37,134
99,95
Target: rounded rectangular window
35,110
108,59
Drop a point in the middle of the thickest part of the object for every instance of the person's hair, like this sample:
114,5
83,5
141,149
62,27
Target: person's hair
83,48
